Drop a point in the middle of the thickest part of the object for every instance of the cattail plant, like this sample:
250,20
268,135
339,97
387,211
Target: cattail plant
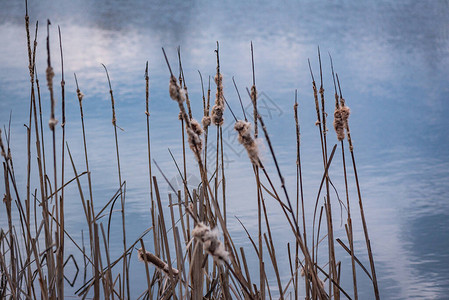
194,136
244,130
149,257
211,243
218,108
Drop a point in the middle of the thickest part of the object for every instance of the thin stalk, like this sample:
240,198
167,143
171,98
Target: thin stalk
147,113
253,96
349,219
60,252
32,68
125,279
332,263
89,223
42,129
297,232
359,194
206,128
299,192
50,74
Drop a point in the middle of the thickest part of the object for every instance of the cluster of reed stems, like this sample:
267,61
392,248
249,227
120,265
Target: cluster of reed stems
188,258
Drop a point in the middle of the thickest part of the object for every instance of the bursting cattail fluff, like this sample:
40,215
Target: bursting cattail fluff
218,108
244,130
176,92
194,137
211,244
339,124
345,111
50,74
206,121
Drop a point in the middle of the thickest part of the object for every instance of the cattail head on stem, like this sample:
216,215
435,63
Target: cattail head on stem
196,127
194,137
345,112
151,258
244,130
217,114
176,92
211,243
206,122
339,125
218,108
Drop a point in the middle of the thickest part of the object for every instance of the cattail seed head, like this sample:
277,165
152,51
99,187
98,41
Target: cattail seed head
176,92
196,127
217,114
253,93
339,124
50,74
211,244
151,258
345,112
206,121
194,137
218,108
219,80
52,123
244,130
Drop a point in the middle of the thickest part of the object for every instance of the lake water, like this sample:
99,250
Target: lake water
393,63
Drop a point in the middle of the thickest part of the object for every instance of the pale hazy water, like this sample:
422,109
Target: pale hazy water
392,60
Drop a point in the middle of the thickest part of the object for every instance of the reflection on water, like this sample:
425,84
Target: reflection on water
392,62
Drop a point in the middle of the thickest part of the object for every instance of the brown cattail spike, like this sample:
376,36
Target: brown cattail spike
218,108
339,124
151,258
244,130
194,133
206,122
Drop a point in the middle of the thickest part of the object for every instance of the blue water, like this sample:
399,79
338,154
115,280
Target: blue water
392,59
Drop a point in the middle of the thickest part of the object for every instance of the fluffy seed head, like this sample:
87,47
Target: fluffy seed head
339,124
218,108
194,137
345,112
196,127
217,114
206,121
176,92
211,243
244,130
52,123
